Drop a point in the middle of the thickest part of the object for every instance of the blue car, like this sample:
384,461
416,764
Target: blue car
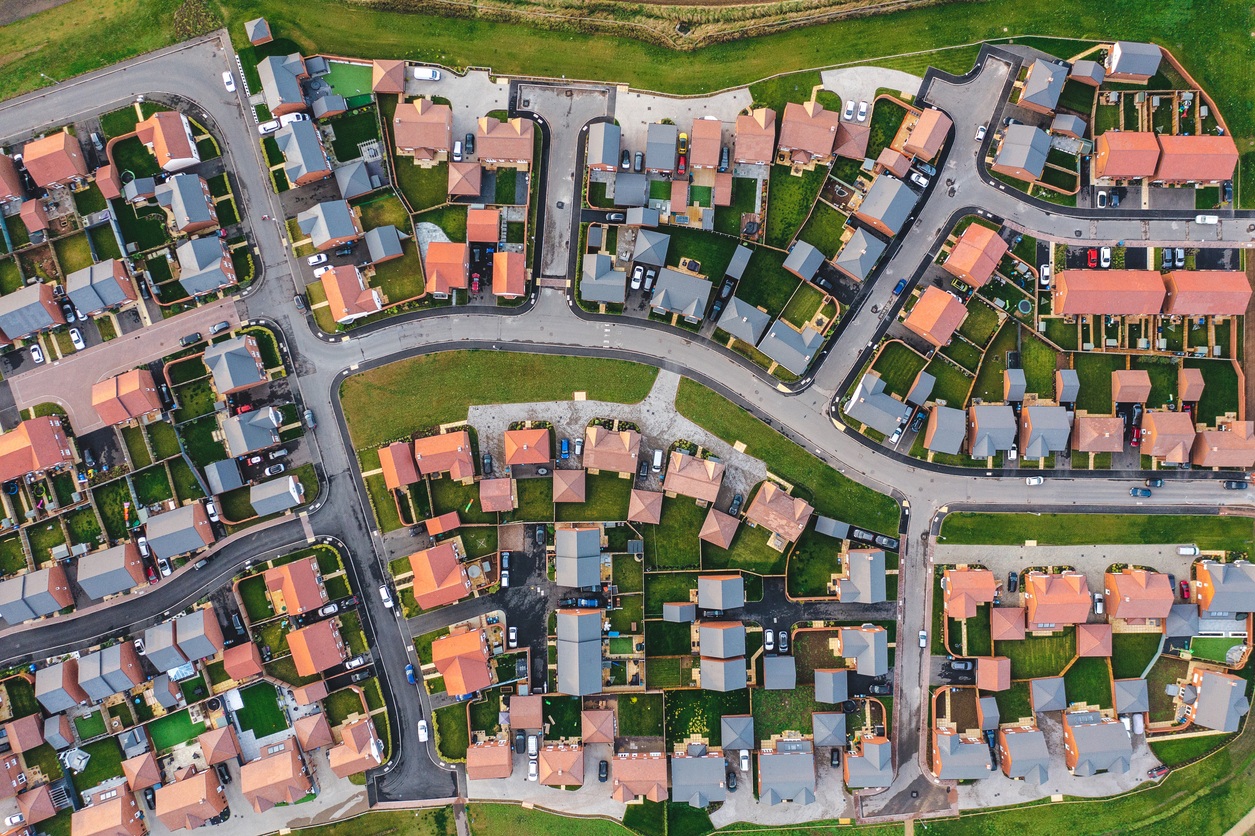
1140,492
899,287
566,448
409,673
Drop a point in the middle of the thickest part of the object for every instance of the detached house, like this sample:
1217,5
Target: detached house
1196,159
1231,444
168,135
1136,62
130,395
1168,436
304,158
281,77
348,295
102,286
506,144
445,453
1022,154
37,445
1056,600
1125,155
186,197
205,265
447,266
808,133
1042,86
54,160
330,224
783,515
424,131
755,138
887,205
975,256
1135,595
928,135
936,316
29,310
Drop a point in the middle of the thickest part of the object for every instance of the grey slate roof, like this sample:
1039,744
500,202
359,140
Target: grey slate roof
133,742
160,647
869,650
1099,746
1221,702
639,215
866,584
1131,696
889,201
302,150
720,592
1030,759
632,189
873,769
578,554
995,429
677,292
1182,621
870,404
721,643
831,685
697,782
95,288
1067,122
600,282
1048,694
185,197
21,312
740,259
223,476
90,679
860,254
104,572
1052,426
35,591
1135,58
384,242
829,728
779,673
13,609
1044,84
804,260
579,625
1233,586
279,81
251,431
961,760
190,630
661,146
737,732
1071,385
232,365
332,103
111,669
951,430
724,674
579,667
327,221
787,775
49,691
603,144
679,612
53,736
257,29
831,527
921,389
141,188
353,179
161,690
989,713
200,265
744,321
174,532
1091,70
275,496
1013,384
1026,147
651,248
791,348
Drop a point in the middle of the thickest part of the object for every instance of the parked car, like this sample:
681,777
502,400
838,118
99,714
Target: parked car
923,638
219,327
884,542
385,595
862,111
520,741
505,560
735,507
603,772
533,770
513,635
152,573
330,609
616,217
641,472
1033,481
487,460
540,535
505,579
228,81
1104,257
142,543
918,423
1098,603
1135,438
1142,493
682,167
76,339
457,151
224,774
275,469
899,287
834,759
315,260
650,275
268,127
1013,581
1158,772
211,510
1185,591
277,454
961,665
1044,277
579,447
980,133
1190,550
849,111
37,354
253,460
356,662
309,419
1091,257
745,761
625,161
638,273
684,143
470,144
1234,485
638,162
190,339
723,160
1154,483
926,168
769,641
1102,200
409,674
422,731
150,798
1180,255
879,690
566,448
919,179
165,567
299,301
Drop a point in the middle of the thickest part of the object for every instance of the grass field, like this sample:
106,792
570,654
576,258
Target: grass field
898,367
789,201
673,543
776,712
823,230
1038,656
1131,653
1173,752
698,712
261,713
351,129
1089,680
1229,533
606,500
173,729
766,283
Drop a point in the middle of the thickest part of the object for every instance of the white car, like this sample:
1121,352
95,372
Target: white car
164,565
386,596
862,111
318,271
211,511
228,81
330,609
919,179
268,127
980,133
769,640
533,771
1033,481
745,761
315,260
638,273
422,731
849,111
139,646
142,542
355,662
1044,280
923,638
289,118
514,637
76,339
1104,257
37,354
426,74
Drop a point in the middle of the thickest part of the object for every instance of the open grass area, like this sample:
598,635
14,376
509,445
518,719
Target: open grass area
135,447
198,439
728,218
253,593
666,587
749,551
12,556
381,499
1094,372
105,763
898,366
789,201
673,543
109,499
1038,656
1220,389
1014,703
186,485
1174,752
173,729
261,713
90,725
152,485
1213,648
448,495
713,252
1089,681
535,501
641,716
665,638
512,820
452,734
90,200
952,385
766,283
989,380
43,539
887,117
1163,379
626,574
351,129
73,252
1229,533
804,305
776,712
147,231
1038,361
1131,653
606,500
823,230
83,526
131,155
442,387
698,712
451,219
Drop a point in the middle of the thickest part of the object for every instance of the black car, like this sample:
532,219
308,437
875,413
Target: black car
487,458
190,339
150,798
520,743
835,760
1154,483
723,160
643,470
735,508
1172,583
224,774
358,676
540,535
919,421
625,161
299,301
879,690
1013,582
603,771
1234,485
731,780
568,602
347,249
468,146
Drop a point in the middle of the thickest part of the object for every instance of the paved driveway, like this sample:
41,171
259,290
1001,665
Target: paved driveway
635,112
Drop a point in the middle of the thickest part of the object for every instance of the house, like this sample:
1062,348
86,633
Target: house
110,671
190,801
858,257
199,634
1224,588
126,397
754,141
483,225
743,321
348,295
680,293
25,733
1014,385
808,133
142,771
661,145
446,265
387,76
29,310
509,274
597,726
330,224
1094,742
1066,124
462,659
831,685
604,139
1022,154
803,260
1088,72
242,661
569,486
1168,436
926,138
527,446
383,243
110,571
1130,386
1047,694
1131,696
791,348
35,594
1231,444
295,587
651,248
609,450
720,592
697,776
317,648
600,282
1108,292
579,651
219,745
632,189
140,189
163,651
639,775
119,815
862,579
1206,293
1221,700
445,453
281,77
1098,434
577,556
724,675
1189,384
1196,159
168,135
945,431
1024,754
959,757
304,158
174,533
787,773
562,766
439,578
722,639
872,406
54,160
993,673
1044,430
507,144
963,590
869,764
57,688
11,188
103,285
718,528
737,732
975,256
867,645
360,750
251,431
1137,594
894,162
1042,86
645,507
34,217
36,445
781,514
637,215
705,143
690,476
1126,155
36,805
1006,623
488,760
313,732
423,130
1128,61
280,778
1093,640
936,316
397,462
465,179
205,266
887,205
1055,600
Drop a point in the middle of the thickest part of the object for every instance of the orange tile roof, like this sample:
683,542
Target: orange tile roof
510,141
639,775
462,660
755,140
1056,598
778,512
11,181
483,225
527,712
722,195
296,587
1122,155
993,673
1166,435
387,76
56,158
1207,293
485,761
928,134
465,179
424,127
33,216
496,494
358,752
679,195
606,450
37,805
444,523
120,816
597,726
509,274
446,266
32,446
165,134
1098,434
219,745
439,578
936,316
1113,292
445,453
397,461
690,476
316,648
313,731
852,140
704,143
1232,446
1196,159
527,446
1136,593
569,486
242,661
964,589
1093,640
976,254
348,295
1006,623
190,802
311,693
277,779
141,771
1130,386
719,528
1189,384
645,506
809,128
129,395
562,766
894,161
109,182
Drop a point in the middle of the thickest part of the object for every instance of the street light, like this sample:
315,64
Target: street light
49,78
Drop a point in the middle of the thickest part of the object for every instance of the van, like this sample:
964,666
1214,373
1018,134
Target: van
657,466
533,746
457,151
426,74
1210,220
201,564
1187,551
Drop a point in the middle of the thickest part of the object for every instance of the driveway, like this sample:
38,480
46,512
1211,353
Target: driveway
635,112
860,84
470,97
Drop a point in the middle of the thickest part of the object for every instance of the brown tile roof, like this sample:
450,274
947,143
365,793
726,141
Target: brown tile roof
690,476
397,461
483,225
11,181
492,759
25,733
965,589
638,775
446,266
313,731
444,523
1122,155
1136,593
218,745
141,771
568,486
1189,384
108,181
755,140
928,134
809,128
33,216
1098,434
439,578
445,453
1093,640
120,816
277,779
778,512
993,673
496,495
645,506
936,316
976,254
316,648
597,726
606,450
465,179
129,395
34,445
723,188
311,693
894,161
1207,293
359,751
165,134
54,159
1232,446
719,528
1056,598
190,802
37,805
1196,159
425,127
1130,386
497,141
527,712
704,143
242,661
296,587
1114,292
387,76
462,660
509,274
562,766
679,194
852,140
348,295
1166,435
527,446
1006,623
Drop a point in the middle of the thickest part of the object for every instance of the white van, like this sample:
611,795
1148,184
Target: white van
426,74
288,118
457,151
1187,551
1210,220
533,746
657,466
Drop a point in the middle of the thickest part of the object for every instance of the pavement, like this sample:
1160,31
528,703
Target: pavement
859,84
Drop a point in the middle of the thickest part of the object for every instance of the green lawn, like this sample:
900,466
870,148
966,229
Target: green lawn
90,200
83,526
199,441
627,574
452,219
673,543
341,705
641,716
649,818
989,380
606,500
448,495
776,712
505,186
1094,372
12,559
423,188
1213,647
152,485
563,715
823,230
1038,361
766,283
789,201
886,119
90,725
74,253
1173,752
512,820
713,252
698,712
666,638
1039,656
1230,533
173,729
43,539
666,587
952,384
1089,680
1131,653
185,485
452,734
147,231
131,155
1220,389
898,367
535,501
105,763
351,129
749,551
261,713
134,438
1014,703
964,353
804,305
728,218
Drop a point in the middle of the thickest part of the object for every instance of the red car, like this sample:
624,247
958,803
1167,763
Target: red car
1137,436
1185,591
152,574
248,407
683,163
475,283
1092,258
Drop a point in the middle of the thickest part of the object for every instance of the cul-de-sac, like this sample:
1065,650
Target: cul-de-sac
544,416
